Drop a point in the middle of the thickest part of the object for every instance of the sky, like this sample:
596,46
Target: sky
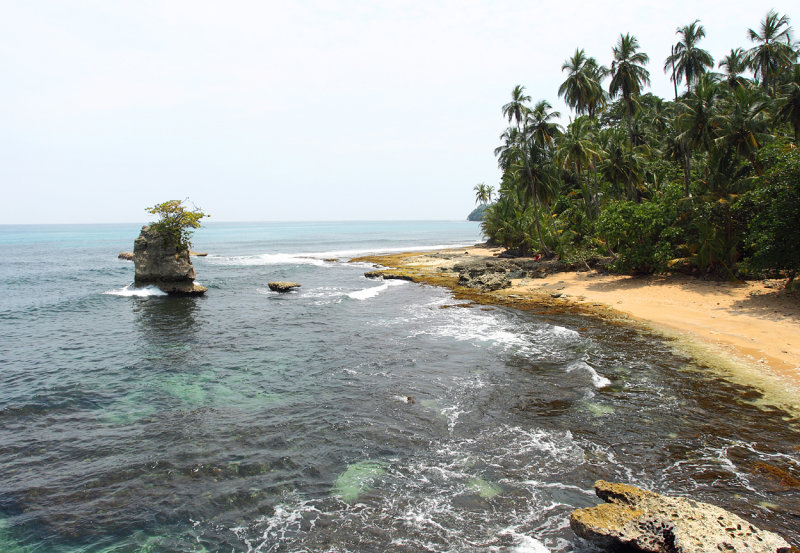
298,110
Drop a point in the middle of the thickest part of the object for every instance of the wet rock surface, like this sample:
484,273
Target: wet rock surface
634,519
160,263
283,286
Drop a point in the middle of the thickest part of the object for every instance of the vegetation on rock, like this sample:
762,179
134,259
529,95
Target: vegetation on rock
176,222
708,182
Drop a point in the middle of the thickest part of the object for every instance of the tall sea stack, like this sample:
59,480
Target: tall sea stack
160,263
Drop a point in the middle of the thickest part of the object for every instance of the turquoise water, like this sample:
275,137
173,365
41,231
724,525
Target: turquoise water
352,415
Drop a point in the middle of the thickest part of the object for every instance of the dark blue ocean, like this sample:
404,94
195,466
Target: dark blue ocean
350,416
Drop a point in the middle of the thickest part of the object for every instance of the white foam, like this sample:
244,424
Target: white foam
318,258
598,380
268,259
528,544
131,291
373,291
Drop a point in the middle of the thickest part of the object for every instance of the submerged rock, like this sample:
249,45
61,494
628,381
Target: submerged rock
160,263
634,519
281,286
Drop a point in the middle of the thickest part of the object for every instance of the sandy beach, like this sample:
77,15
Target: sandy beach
750,331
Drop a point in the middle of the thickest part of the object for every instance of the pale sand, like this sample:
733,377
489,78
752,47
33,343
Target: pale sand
750,331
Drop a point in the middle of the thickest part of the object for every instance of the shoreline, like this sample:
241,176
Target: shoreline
749,332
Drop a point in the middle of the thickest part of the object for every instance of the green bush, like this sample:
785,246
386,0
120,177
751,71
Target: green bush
773,210
641,235
176,222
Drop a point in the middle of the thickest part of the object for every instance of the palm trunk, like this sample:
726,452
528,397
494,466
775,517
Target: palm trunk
674,82
594,190
630,144
545,249
687,175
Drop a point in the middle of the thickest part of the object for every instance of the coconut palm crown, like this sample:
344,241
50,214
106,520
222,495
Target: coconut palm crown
774,50
687,61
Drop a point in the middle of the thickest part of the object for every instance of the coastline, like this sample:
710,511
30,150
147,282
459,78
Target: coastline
749,332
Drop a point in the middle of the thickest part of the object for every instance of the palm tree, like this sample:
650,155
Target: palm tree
576,150
687,61
735,64
789,102
742,123
540,124
628,75
582,90
517,107
539,133
774,50
694,121
483,193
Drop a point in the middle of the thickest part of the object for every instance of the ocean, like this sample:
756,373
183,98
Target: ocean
352,415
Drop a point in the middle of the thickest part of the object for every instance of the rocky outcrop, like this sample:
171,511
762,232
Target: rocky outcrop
160,263
282,286
634,519
487,276
126,256
388,275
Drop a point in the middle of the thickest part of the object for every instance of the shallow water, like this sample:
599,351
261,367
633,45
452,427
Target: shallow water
352,415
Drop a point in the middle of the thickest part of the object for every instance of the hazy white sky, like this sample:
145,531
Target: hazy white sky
304,110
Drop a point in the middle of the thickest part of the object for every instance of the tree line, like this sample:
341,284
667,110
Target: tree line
708,181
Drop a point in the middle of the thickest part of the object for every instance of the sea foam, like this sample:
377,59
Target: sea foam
132,291
318,258
373,291
598,380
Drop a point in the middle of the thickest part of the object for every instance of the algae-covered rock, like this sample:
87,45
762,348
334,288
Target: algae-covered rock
282,286
640,520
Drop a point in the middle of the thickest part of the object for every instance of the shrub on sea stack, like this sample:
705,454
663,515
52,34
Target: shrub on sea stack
161,252
176,222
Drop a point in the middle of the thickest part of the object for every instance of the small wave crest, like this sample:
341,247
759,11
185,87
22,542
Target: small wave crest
268,259
598,380
319,258
373,291
139,292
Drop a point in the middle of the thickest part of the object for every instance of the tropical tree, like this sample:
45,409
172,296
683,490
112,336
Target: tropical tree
742,122
176,222
483,193
582,90
773,51
789,102
517,108
628,76
735,63
688,61
541,126
695,121
577,151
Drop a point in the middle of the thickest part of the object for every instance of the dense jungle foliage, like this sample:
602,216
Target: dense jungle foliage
707,182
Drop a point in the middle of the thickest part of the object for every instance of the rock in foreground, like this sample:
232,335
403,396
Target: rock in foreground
160,263
282,286
634,519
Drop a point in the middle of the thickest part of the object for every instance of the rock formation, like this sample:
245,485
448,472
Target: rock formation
488,277
634,519
126,256
281,286
387,275
160,263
